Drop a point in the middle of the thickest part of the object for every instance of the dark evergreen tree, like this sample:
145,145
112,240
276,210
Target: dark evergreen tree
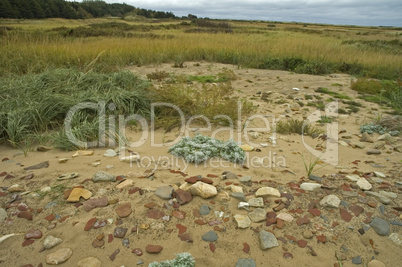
6,10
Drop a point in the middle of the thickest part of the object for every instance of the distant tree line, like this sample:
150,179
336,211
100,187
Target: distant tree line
39,9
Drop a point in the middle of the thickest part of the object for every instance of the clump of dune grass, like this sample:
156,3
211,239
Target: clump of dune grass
298,127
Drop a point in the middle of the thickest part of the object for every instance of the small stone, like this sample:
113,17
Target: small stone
51,241
43,148
185,237
267,240
98,243
314,212
315,178
302,220
60,256
179,214
164,192
356,209
124,210
353,177
388,194
257,215
153,249
287,255
243,221
357,260
183,196
110,153
210,236
181,228
363,184
256,202
285,217
330,201
26,215
310,186
307,234
321,238
267,192
245,263
15,188
380,226
245,179
279,223
204,210
102,176
396,238
375,263
112,256
302,243
246,248
155,214
379,174
27,242
120,232
77,193
33,234
137,251
63,160
373,152
345,215
203,190
229,175
125,183
366,138
89,262
95,203
238,195
3,215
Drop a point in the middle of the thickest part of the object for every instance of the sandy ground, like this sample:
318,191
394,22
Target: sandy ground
281,164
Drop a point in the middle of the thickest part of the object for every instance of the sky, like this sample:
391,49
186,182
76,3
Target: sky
342,12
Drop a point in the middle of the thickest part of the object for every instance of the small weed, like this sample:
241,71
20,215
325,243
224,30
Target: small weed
308,97
342,111
310,166
298,127
158,75
331,93
336,84
326,119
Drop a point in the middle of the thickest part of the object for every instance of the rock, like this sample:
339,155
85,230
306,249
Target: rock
353,177
137,251
124,210
238,195
95,203
388,194
43,148
26,215
257,215
110,153
112,256
204,210
315,178
15,188
256,202
375,263
33,234
307,234
366,138
186,237
102,176
68,176
41,165
373,152
164,192
267,240
51,241
229,175
203,190
345,215
89,262
60,256
310,186
330,201
245,263
267,191
120,232
153,249
64,160
210,236
236,189
381,198
77,193
356,209
129,159
380,226
363,184
302,243
285,217
247,148
182,196
396,238
125,183
3,215
245,179
357,260
379,174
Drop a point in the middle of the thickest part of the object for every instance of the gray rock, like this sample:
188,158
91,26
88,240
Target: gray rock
256,202
229,175
380,226
102,176
382,209
330,201
210,236
245,179
110,153
164,192
238,195
395,223
51,241
3,215
245,263
267,240
243,221
381,198
257,215
310,186
344,203
204,210
366,138
315,178
357,260
373,152
377,180
396,238
388,194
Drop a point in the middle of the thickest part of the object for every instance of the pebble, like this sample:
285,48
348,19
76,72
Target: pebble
35,234
256,202
345,215
185,237
357,260
112,256
120,232
3,215
383,199
310,186
375,263
331,201
26,215
15,188
95,203
366,138
380,226
267,192
89,262
110,153
356,209
59,256
210,236
396,238
363,184
245,179
388,194
285,217
373,152
89,224
238,195
125,183
257,215
153,249
182,196
353,177
203,190
137,251
315,178
229,175
267,240
245,263
124,210
51,241
164,192
102,176
204,210
77,193
379,174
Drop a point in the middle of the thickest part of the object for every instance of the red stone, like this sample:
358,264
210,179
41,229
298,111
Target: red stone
98,243
315,212
9,176
280,223
372,204
192,180
291,238
22,207
124,210
246,248
302,243
133,190
110,238
27,242
183,196
335,224
185,237
89,224
179,214
181,228
299,211
200,222
345,187
212,247
218,229
356,209
270,222
206,180
3,194
212,175
150,205
3,174
64,218
35,234
5,159
287,255
321,238
155,214
302,220
67,193
112,257
26,215
137,251
345,215
153,249
271,215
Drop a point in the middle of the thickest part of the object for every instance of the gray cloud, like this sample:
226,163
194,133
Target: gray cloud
351,12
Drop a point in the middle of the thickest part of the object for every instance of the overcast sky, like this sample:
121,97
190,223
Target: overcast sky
350,12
